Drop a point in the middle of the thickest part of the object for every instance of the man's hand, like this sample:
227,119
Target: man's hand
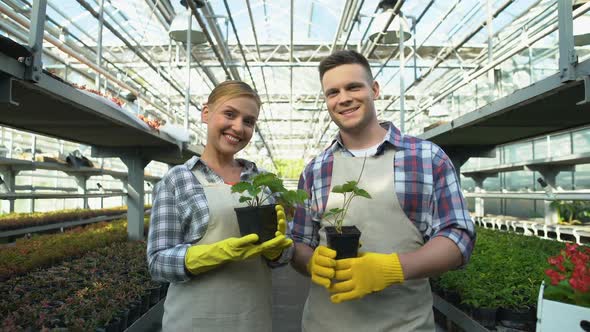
279,242
368,273
321,266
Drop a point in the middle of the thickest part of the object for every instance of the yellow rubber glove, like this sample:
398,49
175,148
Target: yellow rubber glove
321,266
282,242
368,273
204,257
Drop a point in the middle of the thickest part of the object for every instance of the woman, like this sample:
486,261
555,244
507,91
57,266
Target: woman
218,280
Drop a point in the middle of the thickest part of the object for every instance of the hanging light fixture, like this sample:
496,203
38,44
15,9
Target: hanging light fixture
394,33
180,26
581,26
184,29
397,29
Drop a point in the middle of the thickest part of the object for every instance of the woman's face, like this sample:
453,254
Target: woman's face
230,124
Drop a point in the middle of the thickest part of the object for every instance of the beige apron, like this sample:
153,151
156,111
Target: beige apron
234,297
385,229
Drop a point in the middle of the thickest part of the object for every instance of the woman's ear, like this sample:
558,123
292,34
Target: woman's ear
205,114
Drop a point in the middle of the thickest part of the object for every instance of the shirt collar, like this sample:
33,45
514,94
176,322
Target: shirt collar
393,137
248,166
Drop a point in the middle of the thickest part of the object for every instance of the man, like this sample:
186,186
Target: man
416,225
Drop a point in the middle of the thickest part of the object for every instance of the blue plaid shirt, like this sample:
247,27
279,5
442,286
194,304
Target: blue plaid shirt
180,217
425,182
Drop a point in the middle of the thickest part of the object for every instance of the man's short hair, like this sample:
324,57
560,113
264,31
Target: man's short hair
344,57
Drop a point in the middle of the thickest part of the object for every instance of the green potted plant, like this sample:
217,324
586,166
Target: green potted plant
260,217
344,239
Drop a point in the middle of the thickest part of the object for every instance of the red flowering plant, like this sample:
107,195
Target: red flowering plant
568,278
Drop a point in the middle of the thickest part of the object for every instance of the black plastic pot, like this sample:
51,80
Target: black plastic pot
134,313
452,296
154,295
435,286
145,303
164,290
123,316
260,220
114,325
521,319
346,243
485,316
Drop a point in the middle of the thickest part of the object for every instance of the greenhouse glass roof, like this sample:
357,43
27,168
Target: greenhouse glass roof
276,45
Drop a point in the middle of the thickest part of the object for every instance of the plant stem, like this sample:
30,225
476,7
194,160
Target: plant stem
362,169
339,218
264,198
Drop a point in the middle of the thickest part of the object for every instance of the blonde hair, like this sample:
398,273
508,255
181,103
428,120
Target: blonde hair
232,89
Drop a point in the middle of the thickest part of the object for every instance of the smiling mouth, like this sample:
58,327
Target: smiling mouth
349,111
232,139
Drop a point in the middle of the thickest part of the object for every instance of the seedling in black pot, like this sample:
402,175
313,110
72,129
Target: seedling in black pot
259,217
344,239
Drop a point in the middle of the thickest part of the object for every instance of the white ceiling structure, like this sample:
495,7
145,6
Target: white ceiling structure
276,45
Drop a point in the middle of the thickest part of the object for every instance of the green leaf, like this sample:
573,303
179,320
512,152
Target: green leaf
254,191
349,186
332,212
287,197
276,186
301,196
245,199
338,189
336,210
292,198
240,187
263,179
327,215
561,292
362,193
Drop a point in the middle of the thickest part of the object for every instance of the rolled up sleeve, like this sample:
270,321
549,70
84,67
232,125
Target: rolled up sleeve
451,217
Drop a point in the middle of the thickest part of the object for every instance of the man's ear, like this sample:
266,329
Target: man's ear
205,114
375,88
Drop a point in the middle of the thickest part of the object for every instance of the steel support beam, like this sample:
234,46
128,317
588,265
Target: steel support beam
35,65
208,36
567,53
82,181
135,195
6,91
9,182
99,43
586,91
221,42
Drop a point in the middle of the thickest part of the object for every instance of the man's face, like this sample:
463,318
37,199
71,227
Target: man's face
350,96
230,124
